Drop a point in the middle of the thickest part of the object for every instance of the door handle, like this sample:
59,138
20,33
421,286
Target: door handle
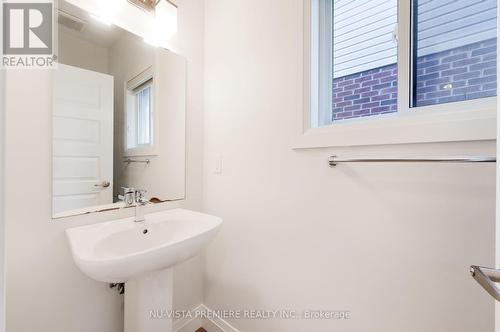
103,184
487,277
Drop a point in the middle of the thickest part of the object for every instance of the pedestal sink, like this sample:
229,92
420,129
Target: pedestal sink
142,255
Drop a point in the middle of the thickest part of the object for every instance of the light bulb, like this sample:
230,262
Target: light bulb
164,25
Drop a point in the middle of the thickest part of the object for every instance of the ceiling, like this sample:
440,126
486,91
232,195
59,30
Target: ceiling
93,31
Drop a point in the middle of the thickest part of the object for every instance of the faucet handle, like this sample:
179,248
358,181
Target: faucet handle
128,196
140,196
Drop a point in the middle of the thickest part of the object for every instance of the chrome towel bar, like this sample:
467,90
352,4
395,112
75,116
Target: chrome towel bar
487,278
129,161
334,160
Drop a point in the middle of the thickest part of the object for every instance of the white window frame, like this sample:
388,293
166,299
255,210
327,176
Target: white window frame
130,101
475,119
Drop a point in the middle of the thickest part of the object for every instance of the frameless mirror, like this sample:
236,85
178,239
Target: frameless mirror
119,109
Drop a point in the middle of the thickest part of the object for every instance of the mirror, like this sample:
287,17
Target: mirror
119,109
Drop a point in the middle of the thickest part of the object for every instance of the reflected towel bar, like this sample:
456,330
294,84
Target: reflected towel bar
487,278
129,161
334,160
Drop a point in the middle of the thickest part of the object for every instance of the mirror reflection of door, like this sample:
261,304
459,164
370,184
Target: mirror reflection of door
82,139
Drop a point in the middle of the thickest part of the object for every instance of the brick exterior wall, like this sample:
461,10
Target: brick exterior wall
463,73
367,93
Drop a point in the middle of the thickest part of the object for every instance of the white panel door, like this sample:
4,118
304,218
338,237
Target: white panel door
82,155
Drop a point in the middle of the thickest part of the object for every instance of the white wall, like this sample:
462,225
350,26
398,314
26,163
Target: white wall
497,233
81,53
2,193
391,243
45,290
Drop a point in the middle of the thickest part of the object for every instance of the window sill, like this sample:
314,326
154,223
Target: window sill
403,128
151,151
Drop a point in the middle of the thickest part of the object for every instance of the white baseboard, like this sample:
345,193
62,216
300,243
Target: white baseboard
211,323
188,325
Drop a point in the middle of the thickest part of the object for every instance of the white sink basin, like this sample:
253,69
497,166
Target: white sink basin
141,255
121,250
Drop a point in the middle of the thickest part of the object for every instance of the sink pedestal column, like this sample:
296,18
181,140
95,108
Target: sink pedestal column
148,302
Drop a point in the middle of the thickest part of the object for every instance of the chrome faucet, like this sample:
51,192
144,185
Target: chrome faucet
128,196
136,198
140,202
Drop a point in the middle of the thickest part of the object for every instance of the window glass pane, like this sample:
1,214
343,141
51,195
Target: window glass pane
364,58
454,50
144,116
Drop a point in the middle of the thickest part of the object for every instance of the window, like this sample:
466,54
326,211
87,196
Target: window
364,65
140,115
143,114
454,51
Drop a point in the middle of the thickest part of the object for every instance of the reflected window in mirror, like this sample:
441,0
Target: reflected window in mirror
144,101
140,119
